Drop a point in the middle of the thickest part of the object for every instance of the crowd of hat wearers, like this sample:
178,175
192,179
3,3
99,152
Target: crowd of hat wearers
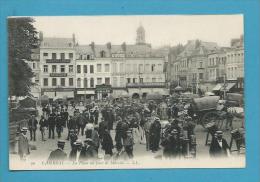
132,124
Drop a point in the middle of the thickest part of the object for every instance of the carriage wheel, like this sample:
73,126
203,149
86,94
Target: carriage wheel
212,117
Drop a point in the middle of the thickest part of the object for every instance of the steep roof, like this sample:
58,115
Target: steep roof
57,42
138,50
197,47
83,49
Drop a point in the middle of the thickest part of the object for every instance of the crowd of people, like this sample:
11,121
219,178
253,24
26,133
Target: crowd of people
132,122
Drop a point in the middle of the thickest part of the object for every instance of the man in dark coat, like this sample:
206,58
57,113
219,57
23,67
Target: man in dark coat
147,126
169,112
75,151
32,124
43,125
71,125
119,134
65,117
58,154
93,135
175,111
101,128
88,151
171,145
59,125
107,143
51,124
73,136
219,146
96,115
111,119
128,143
81,123
155,134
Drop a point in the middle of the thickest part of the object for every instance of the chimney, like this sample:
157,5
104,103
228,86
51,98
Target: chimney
73,39
92,45
123,46
109,47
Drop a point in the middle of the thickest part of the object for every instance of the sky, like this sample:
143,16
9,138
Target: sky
160,30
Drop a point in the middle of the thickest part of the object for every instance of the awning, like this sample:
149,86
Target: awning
69,94
217,87
83,92
227,86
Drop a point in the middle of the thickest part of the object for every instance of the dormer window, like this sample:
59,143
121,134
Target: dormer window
88,57
102,54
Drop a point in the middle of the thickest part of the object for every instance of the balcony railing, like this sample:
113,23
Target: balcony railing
57,60
146,85
58,74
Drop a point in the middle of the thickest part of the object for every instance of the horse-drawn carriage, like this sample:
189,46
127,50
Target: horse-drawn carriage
206,111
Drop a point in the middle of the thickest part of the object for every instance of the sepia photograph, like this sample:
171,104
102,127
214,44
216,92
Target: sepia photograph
126,92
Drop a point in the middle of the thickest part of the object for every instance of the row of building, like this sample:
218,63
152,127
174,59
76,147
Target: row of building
63,68
207,67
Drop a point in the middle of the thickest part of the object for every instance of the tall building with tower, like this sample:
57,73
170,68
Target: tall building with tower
140,35
100,70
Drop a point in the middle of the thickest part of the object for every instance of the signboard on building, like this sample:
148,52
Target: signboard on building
57,60
103,88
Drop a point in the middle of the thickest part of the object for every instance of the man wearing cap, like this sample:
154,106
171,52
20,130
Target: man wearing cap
43,126
23,144
71,125
101,128
107,143
73,136
76,150
81,123
155,134
175,111
128,143
88,151
32,127
171,144
96,115
51,124
59,125
147,126
58,154
119,134
189,126
219,146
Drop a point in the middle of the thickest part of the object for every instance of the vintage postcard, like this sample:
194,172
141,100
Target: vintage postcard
126,92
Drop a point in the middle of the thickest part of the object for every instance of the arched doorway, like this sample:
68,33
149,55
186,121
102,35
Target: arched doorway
135,96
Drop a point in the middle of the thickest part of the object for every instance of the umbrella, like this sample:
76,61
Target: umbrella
178,88
209,94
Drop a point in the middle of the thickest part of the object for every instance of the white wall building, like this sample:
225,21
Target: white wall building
57,64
